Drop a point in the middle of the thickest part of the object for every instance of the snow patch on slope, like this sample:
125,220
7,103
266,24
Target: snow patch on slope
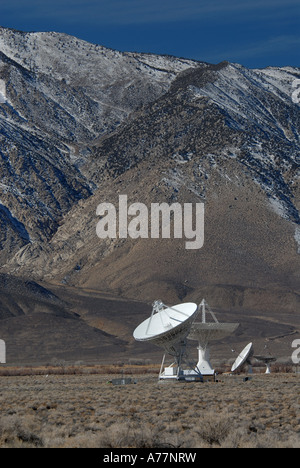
278,207
297,237
280,79
2,91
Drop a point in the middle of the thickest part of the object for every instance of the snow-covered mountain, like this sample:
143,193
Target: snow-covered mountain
82,123
91,89
61,94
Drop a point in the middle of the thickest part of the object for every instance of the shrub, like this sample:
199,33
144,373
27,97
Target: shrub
214,428
15,431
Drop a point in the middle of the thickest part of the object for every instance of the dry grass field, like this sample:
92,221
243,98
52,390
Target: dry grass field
87,410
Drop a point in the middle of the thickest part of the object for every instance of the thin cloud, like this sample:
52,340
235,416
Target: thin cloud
268,47
141,11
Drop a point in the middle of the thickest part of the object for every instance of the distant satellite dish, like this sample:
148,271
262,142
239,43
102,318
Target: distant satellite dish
243,357
168,328
267,361
204,332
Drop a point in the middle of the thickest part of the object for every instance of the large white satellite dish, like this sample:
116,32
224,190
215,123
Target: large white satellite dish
168,328
243,357
167,325
204,332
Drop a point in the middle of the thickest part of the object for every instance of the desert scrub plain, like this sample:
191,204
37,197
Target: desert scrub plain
88,411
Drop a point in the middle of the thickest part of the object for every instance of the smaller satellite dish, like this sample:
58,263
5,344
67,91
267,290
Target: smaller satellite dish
242,357
204,332
267,361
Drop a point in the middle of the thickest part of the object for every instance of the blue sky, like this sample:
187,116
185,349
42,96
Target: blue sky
254,33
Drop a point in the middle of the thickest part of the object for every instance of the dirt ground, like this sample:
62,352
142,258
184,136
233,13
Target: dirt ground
66,411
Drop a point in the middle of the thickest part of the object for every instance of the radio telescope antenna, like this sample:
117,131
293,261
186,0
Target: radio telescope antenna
204,332
267,361
243,357
167,328
266,358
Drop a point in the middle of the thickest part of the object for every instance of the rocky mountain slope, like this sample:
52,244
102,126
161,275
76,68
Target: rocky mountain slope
61,95
82,124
